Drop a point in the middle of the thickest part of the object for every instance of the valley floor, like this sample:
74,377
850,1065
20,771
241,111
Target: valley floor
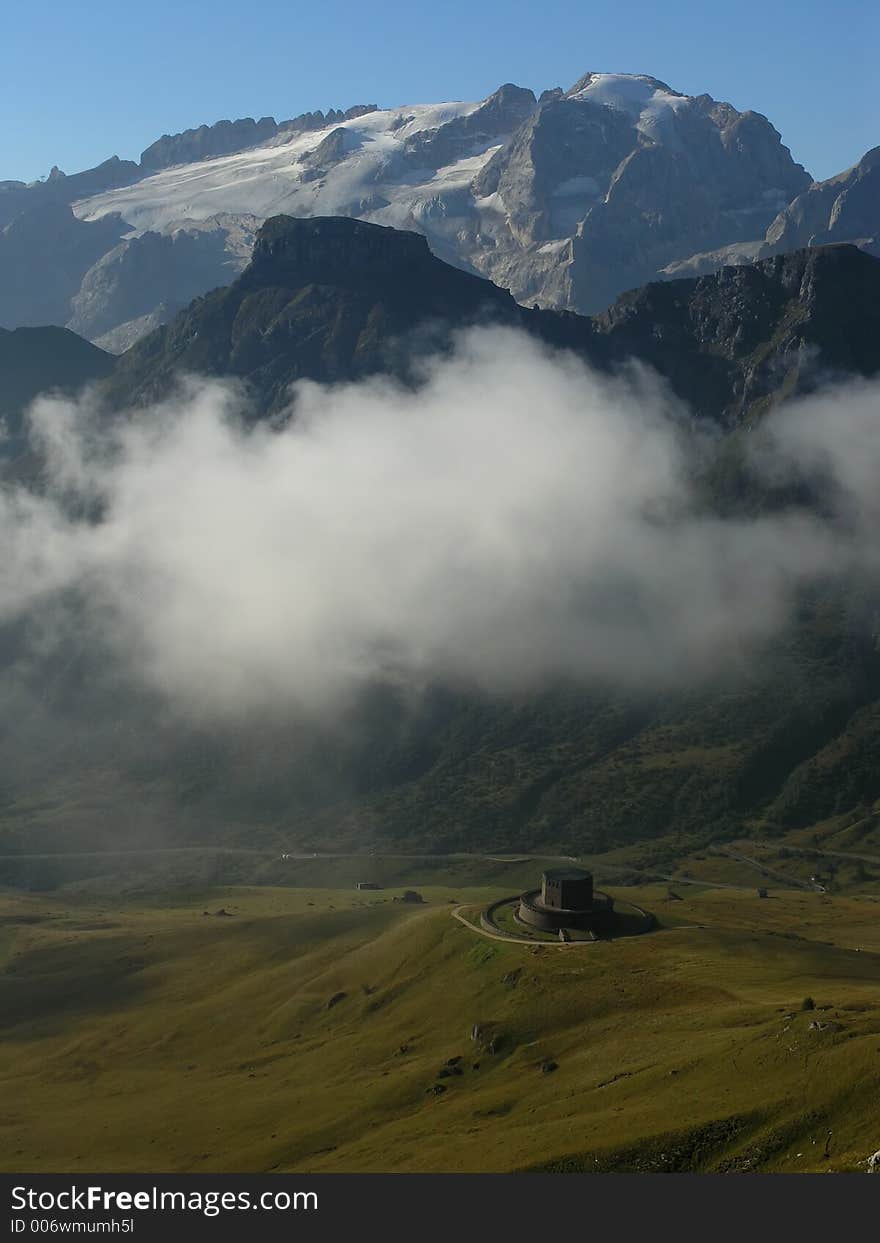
306,1029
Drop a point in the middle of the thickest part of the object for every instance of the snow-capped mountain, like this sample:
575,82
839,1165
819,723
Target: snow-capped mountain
566,199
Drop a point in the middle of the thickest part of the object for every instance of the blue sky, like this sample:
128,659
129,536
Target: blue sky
81,80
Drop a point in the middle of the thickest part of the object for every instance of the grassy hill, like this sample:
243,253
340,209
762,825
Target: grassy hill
305,1028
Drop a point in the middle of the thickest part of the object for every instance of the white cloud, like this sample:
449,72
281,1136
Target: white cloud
517,518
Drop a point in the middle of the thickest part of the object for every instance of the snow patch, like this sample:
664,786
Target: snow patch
651,105
266,180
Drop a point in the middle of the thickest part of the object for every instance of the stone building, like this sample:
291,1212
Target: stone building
566,899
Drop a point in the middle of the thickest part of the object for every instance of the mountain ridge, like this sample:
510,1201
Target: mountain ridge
567,199
728,343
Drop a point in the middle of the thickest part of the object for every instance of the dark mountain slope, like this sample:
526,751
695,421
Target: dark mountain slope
843,208
39,360
335,299
327,299
734,341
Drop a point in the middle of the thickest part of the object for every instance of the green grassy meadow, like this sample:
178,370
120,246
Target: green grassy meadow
305,1029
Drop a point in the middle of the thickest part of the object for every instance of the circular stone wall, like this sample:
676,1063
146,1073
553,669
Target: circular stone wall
533,911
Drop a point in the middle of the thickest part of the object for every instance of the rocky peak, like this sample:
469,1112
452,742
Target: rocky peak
498,116
307,121
325,298
508,103
843,208
334,250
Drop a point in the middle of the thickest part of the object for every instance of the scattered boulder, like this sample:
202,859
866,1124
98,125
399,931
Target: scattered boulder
487,1037
512,977
817,1026
437,1089
548,1066
873,1162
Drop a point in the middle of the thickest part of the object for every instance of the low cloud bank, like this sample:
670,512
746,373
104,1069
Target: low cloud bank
517,519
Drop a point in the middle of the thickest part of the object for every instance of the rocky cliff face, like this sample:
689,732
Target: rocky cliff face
734,341
145,280
206,142
44,255
844,208
633,174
